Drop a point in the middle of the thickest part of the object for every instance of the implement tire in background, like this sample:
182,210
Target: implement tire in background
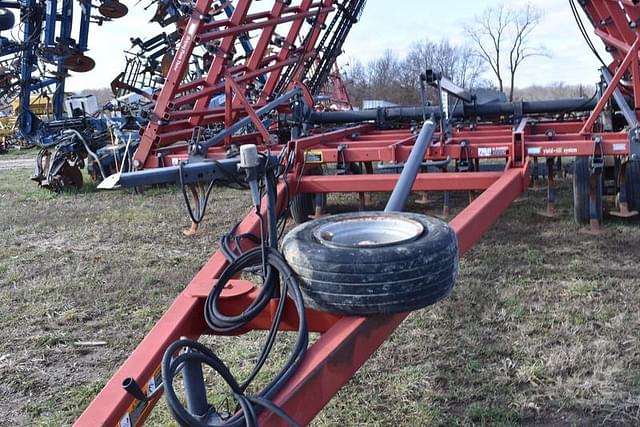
303,205
7,19
581,190
632,184
366,279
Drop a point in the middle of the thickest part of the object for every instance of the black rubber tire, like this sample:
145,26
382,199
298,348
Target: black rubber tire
355,169
7,19
303,205
72,177
632,184
394,278
581,190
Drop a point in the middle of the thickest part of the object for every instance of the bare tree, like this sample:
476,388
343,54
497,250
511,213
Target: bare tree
356,79
524,23
488,33
383,72
502,38
381,79
397,80
456,62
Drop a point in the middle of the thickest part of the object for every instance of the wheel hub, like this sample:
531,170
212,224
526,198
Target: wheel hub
368,232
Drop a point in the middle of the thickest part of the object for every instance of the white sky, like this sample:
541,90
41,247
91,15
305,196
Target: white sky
387,24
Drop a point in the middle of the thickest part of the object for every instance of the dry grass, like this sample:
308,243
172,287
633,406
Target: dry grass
542,327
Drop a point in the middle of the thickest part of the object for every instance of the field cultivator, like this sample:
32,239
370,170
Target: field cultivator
291,38
351,277
334,95
40,47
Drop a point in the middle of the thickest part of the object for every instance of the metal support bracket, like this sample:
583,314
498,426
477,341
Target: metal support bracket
597,160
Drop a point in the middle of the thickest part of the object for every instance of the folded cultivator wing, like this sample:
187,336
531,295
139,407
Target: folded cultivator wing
255,55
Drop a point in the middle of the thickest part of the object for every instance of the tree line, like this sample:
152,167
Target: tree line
500,40
395,79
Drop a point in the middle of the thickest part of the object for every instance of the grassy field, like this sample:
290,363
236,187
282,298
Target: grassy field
541,329
15,153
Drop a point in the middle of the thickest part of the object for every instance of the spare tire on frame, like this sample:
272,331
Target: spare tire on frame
373,263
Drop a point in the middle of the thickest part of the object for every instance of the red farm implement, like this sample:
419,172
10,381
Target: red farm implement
270,90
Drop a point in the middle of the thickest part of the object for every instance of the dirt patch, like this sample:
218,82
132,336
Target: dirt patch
541,328
15,164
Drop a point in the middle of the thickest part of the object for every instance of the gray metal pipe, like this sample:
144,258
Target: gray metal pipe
400,195
219,137
192,173
627,112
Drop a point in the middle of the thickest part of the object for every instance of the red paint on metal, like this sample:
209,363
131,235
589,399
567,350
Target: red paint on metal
346,343
385,183
632,55
181,107
183,318
359,336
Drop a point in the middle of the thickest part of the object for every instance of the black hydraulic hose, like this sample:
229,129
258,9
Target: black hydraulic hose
584,32
279,281
250,406
197,353
203,199
461,112
230,253
230,323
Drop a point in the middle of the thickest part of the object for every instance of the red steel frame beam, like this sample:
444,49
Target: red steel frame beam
631,56
488,142
362,335
617,24
385,183
491,142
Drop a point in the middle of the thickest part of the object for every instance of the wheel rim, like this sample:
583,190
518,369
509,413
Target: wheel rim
368,232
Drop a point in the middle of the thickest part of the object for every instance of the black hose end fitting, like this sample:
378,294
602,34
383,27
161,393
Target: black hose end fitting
131,386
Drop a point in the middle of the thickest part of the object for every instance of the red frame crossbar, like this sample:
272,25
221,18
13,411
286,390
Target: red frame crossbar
617,23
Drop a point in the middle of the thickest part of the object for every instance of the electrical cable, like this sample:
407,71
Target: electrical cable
202,201
221,323
584,32
279,281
